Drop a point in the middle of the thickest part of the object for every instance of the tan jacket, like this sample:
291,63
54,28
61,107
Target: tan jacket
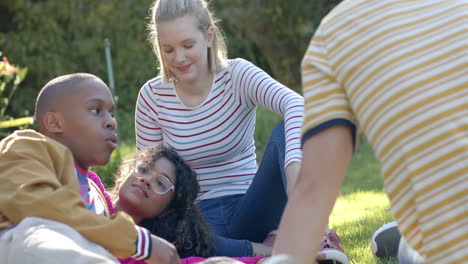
37,178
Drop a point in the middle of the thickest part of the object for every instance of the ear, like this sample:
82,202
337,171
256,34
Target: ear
53,123
209,36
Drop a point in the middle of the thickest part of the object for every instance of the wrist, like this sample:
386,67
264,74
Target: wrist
142,244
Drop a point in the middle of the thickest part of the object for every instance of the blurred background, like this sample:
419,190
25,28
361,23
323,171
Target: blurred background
56,37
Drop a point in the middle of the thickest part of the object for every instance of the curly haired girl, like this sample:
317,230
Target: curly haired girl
158,189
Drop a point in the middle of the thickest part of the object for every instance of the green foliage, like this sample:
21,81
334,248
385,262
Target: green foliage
273,33
60,37
266,121
10,78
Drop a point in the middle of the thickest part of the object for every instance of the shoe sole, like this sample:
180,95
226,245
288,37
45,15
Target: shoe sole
281,259
388,237
333,256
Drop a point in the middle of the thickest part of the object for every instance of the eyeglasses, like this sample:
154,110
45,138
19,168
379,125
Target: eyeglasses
160,184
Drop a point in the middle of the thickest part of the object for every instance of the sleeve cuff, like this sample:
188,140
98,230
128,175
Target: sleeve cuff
143,244
330,123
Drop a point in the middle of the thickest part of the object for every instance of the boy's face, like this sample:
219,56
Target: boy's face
89,123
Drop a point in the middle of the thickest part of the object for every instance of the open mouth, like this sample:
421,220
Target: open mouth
112,141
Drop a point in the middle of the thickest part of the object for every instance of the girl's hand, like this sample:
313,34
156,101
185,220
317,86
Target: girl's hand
162,252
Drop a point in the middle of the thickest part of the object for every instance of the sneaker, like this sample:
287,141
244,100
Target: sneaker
385,241
279,259
331,250
270,238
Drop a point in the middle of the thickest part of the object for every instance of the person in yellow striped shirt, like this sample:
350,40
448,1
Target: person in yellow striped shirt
398,72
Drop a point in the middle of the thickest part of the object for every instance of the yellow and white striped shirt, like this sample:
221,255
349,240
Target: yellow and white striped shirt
398,70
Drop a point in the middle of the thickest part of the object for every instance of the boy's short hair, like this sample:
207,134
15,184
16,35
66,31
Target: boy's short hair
54,90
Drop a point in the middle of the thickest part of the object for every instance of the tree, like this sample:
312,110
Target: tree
276,29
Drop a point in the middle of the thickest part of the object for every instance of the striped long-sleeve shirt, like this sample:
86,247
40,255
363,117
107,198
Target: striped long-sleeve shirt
217,137
399,71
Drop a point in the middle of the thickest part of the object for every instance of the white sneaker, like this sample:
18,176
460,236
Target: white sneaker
280,259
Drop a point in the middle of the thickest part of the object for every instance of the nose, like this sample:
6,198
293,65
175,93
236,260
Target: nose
145,180
179,55
110,122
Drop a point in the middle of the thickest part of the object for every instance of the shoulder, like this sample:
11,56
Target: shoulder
345,12
26,134
153,83
238,62
155,87
32,145
240,66
28,137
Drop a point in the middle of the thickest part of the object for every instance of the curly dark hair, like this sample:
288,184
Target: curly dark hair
183,224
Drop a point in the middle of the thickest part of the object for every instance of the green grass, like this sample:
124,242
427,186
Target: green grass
361,208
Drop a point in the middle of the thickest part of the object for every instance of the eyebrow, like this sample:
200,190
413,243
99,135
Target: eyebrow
185,40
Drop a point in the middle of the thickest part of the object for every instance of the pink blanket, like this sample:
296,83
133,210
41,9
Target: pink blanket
192,260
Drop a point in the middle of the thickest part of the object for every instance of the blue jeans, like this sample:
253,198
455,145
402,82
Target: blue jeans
237,219
407,255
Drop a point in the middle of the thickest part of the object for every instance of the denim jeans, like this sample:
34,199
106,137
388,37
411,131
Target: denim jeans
407,255
237,219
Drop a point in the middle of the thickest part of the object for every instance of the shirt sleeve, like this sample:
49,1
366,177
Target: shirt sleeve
325,100
259,88
38,179
143,244
147,130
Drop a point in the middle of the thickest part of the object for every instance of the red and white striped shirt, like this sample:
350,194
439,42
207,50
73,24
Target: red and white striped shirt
217,137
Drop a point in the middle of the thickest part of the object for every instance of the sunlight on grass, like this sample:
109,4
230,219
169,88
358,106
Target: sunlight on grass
355,217
358,205
362,207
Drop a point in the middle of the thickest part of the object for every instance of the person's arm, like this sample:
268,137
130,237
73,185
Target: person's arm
292,173
326,157
147,130
162,252
256,87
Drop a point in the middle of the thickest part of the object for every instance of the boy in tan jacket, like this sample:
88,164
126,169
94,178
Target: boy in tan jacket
48,214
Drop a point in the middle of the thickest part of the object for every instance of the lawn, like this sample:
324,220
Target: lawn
361,208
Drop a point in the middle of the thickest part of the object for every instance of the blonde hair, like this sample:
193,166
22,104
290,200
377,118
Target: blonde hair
167,10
